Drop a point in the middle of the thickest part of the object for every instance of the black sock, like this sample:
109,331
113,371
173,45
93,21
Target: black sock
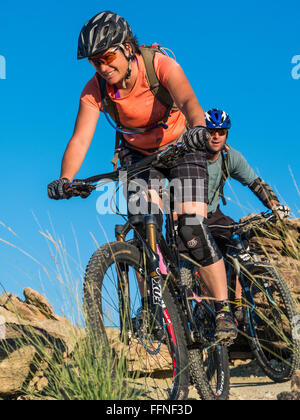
222,306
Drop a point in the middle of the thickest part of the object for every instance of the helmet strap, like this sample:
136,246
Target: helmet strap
129,59
128,74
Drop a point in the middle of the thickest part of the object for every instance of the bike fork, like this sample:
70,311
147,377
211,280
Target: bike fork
154,283
156,299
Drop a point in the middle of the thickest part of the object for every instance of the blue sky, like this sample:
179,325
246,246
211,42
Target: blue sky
237,56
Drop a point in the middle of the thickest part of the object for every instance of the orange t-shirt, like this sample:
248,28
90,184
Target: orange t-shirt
140,108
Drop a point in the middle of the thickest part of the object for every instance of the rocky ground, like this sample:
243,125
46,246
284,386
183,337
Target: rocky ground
248,382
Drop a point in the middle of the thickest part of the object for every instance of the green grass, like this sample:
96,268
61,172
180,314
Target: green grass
89,371
85,375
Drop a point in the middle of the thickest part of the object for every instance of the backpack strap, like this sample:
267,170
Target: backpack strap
158,90
225,174
110,106
112,110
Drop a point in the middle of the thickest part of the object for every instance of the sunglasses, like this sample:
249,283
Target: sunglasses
220,131
106,59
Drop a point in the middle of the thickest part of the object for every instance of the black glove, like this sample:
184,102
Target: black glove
56,189
195,139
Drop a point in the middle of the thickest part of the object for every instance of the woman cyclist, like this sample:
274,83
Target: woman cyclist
107,42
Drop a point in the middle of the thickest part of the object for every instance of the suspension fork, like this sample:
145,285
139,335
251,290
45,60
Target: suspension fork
154,278
155,287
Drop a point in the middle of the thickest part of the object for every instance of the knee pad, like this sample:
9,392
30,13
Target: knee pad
194,232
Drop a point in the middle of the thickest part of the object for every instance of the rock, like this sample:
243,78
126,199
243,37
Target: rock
295,389
268,396
280,244
137,355
39,303
14,369
295,384
291,396
37,384
31,333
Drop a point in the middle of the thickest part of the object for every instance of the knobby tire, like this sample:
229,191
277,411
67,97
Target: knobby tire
107,258
270,325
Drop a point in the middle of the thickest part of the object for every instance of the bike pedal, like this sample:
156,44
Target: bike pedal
225,342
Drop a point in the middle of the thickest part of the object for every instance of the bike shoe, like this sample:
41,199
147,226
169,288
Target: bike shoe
226,329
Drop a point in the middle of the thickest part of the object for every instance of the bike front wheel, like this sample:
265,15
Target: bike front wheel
270,314
153,348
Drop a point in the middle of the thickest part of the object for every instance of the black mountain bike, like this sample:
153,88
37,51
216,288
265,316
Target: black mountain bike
136,303
269,311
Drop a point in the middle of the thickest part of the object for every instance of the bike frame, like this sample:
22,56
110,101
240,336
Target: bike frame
152,240
149,237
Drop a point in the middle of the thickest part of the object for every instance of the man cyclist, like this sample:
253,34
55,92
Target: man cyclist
146,127
225,162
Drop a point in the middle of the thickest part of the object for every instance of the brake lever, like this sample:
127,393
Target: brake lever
76,189
168,157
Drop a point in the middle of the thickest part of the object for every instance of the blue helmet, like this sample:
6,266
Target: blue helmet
216,118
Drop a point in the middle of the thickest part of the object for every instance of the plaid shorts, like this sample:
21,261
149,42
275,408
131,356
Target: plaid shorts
188,178
221,235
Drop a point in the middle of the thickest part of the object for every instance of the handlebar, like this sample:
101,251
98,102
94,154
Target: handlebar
257,220
83,187
163,159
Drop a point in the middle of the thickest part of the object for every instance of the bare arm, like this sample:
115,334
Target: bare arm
80,141
185,98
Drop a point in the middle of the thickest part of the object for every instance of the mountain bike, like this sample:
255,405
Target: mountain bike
269,310
137,304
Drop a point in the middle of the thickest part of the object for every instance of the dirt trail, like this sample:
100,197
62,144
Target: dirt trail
248,382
